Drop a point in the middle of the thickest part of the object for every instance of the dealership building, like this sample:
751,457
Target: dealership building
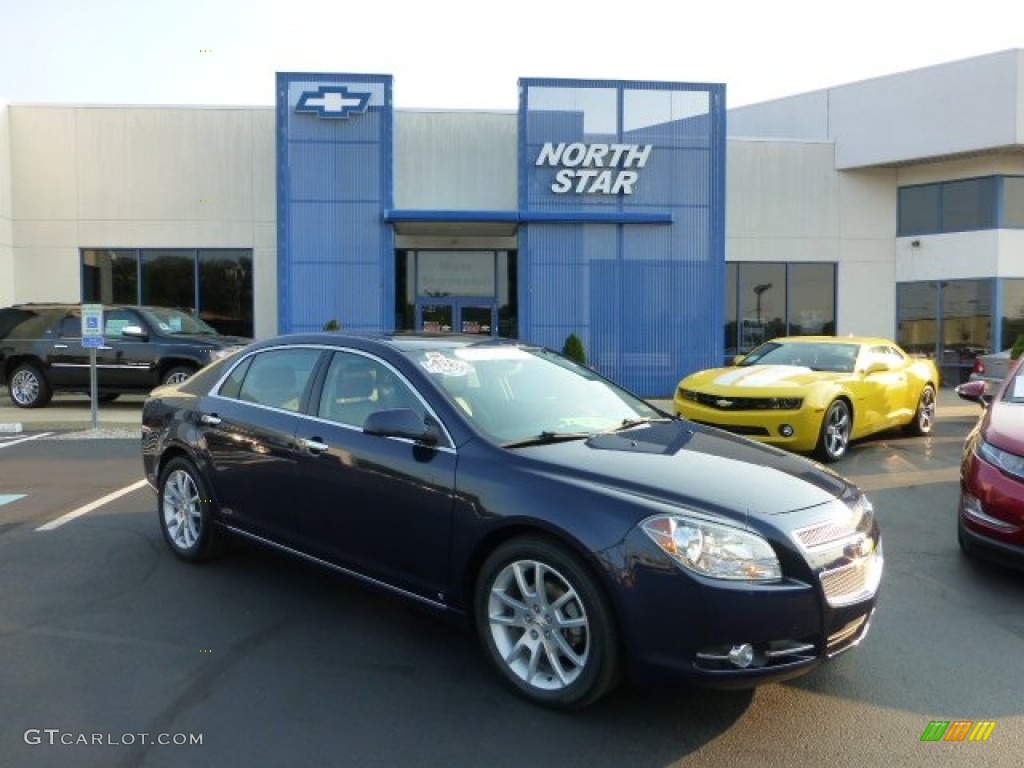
665,230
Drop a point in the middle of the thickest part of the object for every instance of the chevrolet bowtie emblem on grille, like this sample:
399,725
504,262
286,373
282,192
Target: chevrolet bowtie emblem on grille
723,403
333,101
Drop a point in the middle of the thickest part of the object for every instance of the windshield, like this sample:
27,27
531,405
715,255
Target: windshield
818,356
515,394
175,321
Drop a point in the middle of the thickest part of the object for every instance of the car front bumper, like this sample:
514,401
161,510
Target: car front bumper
678,626
794,430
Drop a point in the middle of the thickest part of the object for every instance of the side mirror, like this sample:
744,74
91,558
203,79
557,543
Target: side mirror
135,332
738,359
401,422
975,392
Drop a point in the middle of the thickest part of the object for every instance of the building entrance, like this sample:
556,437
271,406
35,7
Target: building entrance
466,315
456,291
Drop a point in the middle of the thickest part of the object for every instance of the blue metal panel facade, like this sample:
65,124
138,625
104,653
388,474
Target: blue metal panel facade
645,298
334,182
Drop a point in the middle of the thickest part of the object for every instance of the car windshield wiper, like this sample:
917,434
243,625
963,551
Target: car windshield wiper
630,423
546,437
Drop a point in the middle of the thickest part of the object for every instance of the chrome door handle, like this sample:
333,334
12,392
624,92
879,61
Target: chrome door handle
60,346
313,445
209,418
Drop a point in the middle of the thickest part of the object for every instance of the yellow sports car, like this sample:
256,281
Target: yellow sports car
814,394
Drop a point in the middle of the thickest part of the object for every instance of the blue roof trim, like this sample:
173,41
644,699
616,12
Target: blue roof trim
523,217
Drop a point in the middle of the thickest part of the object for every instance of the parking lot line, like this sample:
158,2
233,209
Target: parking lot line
90,507
8,443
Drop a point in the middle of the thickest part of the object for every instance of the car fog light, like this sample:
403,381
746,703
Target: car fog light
741,655
786,430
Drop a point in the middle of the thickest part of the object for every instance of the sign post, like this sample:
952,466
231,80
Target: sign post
92,338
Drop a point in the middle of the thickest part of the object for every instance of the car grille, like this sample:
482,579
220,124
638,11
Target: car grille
721,403
844,552
848,636
850,583
736,429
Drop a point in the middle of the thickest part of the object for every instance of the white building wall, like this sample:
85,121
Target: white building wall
456,160
972,105
786,203
7,285
109,177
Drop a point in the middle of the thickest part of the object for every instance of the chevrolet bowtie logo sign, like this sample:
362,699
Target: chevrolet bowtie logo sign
333,101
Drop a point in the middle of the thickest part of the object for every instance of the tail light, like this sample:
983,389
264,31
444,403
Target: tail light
978,367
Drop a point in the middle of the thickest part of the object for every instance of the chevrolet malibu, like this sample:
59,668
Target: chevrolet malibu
585,535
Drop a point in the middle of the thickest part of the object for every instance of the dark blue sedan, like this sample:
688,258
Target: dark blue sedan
587,535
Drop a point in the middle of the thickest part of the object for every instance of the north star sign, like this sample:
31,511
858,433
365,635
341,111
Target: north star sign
594,169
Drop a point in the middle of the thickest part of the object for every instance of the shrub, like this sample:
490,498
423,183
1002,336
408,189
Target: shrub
1018,347
332,325
573,349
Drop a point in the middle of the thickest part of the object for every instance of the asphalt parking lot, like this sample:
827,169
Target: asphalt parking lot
111,647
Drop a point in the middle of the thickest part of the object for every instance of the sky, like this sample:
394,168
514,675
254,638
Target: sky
463,54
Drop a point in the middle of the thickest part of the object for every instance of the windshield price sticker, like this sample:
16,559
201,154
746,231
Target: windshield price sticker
438,363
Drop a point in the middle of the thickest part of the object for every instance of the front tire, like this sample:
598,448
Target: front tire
836,428
924,416
28,387
546,624
185,510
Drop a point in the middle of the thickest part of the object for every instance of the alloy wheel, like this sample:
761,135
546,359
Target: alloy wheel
182,510
539,625
24,387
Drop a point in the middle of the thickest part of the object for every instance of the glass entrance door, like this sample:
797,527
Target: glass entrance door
457,316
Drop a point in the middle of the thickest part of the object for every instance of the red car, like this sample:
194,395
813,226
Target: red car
991,513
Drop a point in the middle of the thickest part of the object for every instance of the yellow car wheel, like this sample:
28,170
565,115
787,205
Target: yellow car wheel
836,428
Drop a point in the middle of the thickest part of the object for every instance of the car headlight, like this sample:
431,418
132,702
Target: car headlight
710,549
1010,463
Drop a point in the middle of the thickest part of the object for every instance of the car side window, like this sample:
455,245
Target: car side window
71,327
115,320
357,385
278,378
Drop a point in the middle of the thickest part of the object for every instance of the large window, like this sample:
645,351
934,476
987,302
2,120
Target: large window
765,300
961,206
214,283
1011,314
950,321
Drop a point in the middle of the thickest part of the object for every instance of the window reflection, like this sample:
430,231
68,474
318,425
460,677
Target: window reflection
216,283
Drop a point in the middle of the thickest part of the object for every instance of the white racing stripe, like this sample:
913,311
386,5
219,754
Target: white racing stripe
90,507
6,443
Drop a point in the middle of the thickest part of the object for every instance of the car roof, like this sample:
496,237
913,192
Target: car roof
399,340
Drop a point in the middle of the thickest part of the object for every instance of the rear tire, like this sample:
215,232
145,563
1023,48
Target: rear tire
185,511
28,387
546,624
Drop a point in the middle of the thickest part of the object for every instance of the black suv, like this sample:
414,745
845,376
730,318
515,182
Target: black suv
41,350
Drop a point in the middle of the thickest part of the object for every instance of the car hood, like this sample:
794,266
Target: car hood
684,464
742,380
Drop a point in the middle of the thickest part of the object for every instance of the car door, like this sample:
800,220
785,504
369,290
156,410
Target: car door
248,427
131,360
376,505
885,386
67,360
